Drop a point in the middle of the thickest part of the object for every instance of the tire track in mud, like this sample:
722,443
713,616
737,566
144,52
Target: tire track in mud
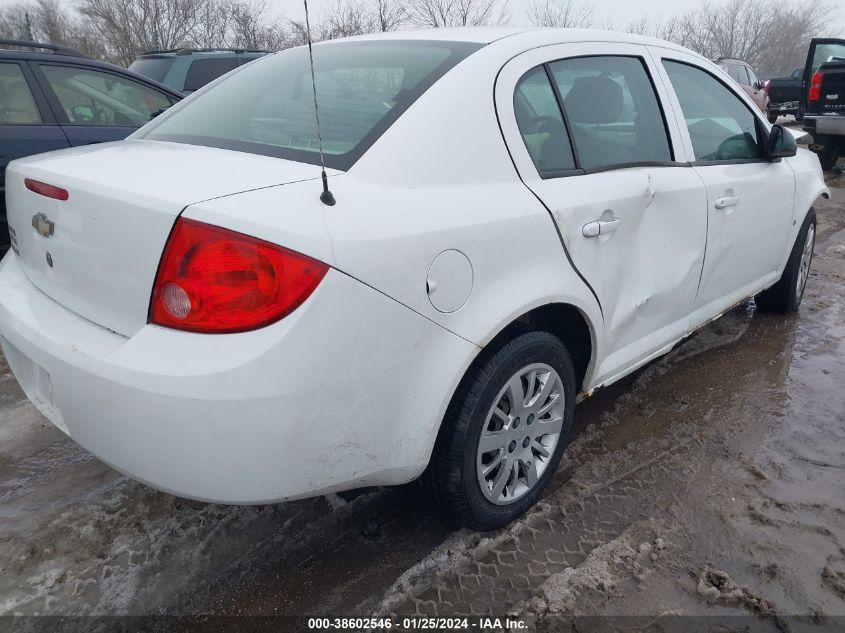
390,534
507,570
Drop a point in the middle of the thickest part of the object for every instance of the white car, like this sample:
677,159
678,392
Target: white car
522,216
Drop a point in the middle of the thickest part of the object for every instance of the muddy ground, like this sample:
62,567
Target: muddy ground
710,483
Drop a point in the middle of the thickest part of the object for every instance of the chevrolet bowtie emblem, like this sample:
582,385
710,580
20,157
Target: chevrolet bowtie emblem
43,225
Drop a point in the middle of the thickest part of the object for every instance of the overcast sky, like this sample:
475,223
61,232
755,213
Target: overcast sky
622,11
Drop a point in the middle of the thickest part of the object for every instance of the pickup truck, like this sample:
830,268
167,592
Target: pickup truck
823,96
785,96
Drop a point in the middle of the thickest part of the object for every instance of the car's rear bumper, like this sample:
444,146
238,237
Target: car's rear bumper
347,391
825,124
787,107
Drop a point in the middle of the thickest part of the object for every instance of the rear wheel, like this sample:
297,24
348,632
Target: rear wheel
504,432
785,296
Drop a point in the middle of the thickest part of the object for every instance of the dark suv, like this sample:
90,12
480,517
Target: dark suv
189,69
53,97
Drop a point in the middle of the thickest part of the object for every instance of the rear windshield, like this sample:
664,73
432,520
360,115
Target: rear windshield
268,107
153,67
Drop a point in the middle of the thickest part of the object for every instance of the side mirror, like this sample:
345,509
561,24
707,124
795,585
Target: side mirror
781,143
758,85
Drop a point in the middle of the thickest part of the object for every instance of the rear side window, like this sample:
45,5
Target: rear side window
737,72
153,67
541,123
268,107
203,71
613,111
720,125
16,102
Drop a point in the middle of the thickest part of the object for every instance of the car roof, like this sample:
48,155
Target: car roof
527,36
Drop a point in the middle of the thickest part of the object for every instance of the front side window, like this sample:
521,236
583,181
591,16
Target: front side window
541,123
721,127
93,97
16,102
613,111
268,107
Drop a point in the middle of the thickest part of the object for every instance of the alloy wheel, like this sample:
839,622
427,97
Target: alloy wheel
806,259
520,434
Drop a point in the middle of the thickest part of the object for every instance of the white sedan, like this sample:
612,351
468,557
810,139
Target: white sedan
522,216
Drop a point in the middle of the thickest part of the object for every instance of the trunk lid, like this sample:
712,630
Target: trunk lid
107,238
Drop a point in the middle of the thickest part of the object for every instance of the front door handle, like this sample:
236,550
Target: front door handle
726,201
600,227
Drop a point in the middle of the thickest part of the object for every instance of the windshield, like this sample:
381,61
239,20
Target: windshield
153,67
267,107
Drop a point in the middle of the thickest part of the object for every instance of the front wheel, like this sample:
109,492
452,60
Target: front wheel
785,296
504,433
829,157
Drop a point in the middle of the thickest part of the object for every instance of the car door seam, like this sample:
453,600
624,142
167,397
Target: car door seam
534,193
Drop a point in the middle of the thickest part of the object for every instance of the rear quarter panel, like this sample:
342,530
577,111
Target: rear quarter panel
442,178
439,179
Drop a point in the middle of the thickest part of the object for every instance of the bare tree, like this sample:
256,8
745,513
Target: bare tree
389,14
345,18
772,37
247,25
560,13
128,27
13,21
441,13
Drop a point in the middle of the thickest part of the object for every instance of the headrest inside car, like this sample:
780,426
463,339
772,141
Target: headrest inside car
594,100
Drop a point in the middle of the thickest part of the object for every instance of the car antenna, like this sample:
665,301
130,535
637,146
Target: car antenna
326,197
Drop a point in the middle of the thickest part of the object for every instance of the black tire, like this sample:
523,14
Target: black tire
771,117
451,478
829,157
785,297
799,114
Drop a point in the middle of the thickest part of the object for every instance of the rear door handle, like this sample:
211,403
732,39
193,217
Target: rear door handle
600,227
726,201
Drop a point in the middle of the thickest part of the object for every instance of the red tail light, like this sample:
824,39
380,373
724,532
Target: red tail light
215,281
42,188
816,86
